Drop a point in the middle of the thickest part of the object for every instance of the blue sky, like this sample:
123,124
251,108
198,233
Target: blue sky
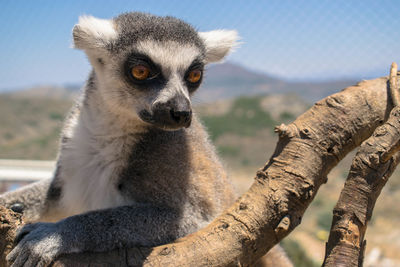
295,40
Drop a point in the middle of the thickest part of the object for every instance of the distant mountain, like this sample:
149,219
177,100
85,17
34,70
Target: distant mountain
230,80
222,81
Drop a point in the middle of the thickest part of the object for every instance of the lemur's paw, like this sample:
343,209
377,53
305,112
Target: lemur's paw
38,244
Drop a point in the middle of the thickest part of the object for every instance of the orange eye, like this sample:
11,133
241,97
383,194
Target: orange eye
194,76
140,72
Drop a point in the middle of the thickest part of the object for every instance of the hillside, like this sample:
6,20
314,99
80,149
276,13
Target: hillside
30,126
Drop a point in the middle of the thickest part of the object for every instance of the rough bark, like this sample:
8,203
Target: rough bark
274,205
9,221
371,168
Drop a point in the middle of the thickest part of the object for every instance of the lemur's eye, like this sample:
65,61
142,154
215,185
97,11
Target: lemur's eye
194,76
140,72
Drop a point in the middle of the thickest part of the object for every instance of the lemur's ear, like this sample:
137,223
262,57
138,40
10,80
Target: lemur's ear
219,43
93,33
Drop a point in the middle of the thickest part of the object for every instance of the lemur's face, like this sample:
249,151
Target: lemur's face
147,67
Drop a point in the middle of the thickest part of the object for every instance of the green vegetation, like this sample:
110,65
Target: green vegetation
286,116
324,219
297,254
56,116
8,136
244,118
228,151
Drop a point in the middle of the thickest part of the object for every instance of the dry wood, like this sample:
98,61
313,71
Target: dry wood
9,221
374,163
394,89
274,205
370,170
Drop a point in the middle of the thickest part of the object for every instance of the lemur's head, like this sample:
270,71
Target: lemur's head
148,66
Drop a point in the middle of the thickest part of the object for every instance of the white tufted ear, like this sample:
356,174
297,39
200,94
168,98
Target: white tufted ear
93,33
219,43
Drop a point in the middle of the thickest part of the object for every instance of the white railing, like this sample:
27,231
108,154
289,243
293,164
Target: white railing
25,170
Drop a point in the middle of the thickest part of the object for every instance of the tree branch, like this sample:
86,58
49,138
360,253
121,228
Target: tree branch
370,170
9,221
372,166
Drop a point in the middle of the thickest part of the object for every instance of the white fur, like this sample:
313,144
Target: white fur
171,56
91,32
92,160
173,88
219,43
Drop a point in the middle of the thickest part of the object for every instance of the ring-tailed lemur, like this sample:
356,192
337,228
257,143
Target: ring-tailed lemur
135,165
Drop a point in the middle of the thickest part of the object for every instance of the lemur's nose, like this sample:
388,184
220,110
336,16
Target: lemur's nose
180,110
181,117
174,113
